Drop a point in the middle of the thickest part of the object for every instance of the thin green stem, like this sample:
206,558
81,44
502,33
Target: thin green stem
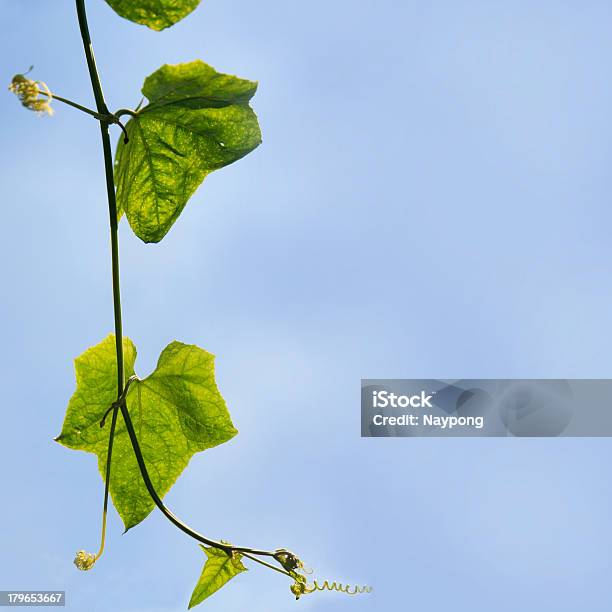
261,562
102,110
125,111
110,185
121,400
84,109
110,119
228,548
107,483
90,57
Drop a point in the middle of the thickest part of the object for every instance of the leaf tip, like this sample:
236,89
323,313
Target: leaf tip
128,527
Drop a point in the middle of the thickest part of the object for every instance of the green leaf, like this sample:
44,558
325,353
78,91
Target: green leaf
197,121
218,570
176,411
156,14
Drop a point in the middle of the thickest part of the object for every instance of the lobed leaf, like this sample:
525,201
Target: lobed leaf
156,14
177,411
198,120
218,570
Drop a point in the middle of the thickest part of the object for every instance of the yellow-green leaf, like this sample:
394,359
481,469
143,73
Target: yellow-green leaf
176,411
218,570
156,14
198,120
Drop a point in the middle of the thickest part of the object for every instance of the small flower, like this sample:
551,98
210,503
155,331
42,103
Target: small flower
29,92
84,560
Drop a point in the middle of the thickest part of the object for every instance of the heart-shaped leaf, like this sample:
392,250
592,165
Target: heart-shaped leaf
197,120
177,411
156,14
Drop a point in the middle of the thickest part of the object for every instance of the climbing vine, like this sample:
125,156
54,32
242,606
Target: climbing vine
192,120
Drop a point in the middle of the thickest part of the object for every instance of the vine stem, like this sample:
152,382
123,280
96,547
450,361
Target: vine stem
228,548
102,110
121,403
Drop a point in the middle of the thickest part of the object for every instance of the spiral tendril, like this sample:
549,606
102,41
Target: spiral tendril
338,586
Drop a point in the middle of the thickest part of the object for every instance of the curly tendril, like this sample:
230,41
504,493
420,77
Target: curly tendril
338,586
295,568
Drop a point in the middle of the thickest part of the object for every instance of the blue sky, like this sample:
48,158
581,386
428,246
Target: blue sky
431,200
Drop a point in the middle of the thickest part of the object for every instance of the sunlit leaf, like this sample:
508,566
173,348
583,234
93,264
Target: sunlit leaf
218,570
177,411
197,121
156,14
